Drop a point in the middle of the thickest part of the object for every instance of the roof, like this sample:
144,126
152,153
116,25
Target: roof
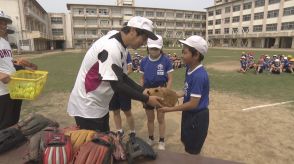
222,4
137,7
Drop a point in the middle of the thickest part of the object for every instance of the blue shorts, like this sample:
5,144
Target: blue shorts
120,102
194,128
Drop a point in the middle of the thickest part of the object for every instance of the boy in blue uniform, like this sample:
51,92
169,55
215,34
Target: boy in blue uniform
287,66
121,102
156,72
276,67
243,63
195,115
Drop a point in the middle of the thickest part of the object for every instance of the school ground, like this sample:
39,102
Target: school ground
251,116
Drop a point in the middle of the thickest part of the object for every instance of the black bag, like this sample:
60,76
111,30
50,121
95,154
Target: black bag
10,138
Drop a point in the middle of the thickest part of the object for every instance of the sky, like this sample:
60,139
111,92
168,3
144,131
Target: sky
59,6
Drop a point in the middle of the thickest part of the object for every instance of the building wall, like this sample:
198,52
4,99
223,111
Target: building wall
219,35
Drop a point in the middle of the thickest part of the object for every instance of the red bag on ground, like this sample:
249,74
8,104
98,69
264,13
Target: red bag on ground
57,148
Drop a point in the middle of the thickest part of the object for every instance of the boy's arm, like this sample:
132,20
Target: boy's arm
183,107
170,80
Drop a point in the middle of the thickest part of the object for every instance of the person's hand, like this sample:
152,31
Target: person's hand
164,109
155,101
5,78
145,92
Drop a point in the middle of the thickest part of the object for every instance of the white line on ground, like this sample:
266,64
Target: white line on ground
262,106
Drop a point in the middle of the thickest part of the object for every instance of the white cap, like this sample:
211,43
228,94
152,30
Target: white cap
243,57
285,58
277,60
196,42
5,17
144,24
155,43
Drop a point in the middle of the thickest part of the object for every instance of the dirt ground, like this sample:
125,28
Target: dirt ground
227,66
263,135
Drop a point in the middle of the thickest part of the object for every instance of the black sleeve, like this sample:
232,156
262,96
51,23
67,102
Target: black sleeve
127,86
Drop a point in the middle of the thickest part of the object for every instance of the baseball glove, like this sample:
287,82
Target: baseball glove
79,137
169,96
34,123
25,63
10,138
137,147
119,152
97,151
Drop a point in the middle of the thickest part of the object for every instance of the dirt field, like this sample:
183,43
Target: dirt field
227,66
263,135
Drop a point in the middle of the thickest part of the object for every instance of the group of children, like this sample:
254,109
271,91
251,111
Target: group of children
275,64
156,69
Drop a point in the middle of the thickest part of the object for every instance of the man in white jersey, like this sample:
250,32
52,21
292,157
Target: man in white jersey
9,112
101,74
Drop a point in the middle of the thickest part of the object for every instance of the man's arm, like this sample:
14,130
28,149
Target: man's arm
4,78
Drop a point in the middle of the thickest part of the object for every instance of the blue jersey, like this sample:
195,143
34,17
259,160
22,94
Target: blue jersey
155,71
197,85
243,63
129,59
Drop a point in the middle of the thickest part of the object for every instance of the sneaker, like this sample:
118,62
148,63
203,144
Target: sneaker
150,142
161,146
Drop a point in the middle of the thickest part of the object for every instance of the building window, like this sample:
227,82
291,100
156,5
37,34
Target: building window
91,21
104,22
179,15
226,31
91,11
139,13
210,32
258,15
287,26
288,11
210,13
236,19
273,1
218,21
179,24
197,25
92,32
247,5
271,27
78,11
56,20
210,22
236,8
170,24
196,16
247,17
160,14
159,33
103,12
159,24
188,33
170,14
217,31
234,30
272,13
57,32
257,28
227,20
228,9
218,12
245,29
189,25
188,16
259,3
149,14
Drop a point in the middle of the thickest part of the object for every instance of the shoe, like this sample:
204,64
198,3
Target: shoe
161,146
150,142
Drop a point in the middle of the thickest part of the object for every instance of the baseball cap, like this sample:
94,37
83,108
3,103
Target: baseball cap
155,43
277,60
196,42
143,24
5,17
